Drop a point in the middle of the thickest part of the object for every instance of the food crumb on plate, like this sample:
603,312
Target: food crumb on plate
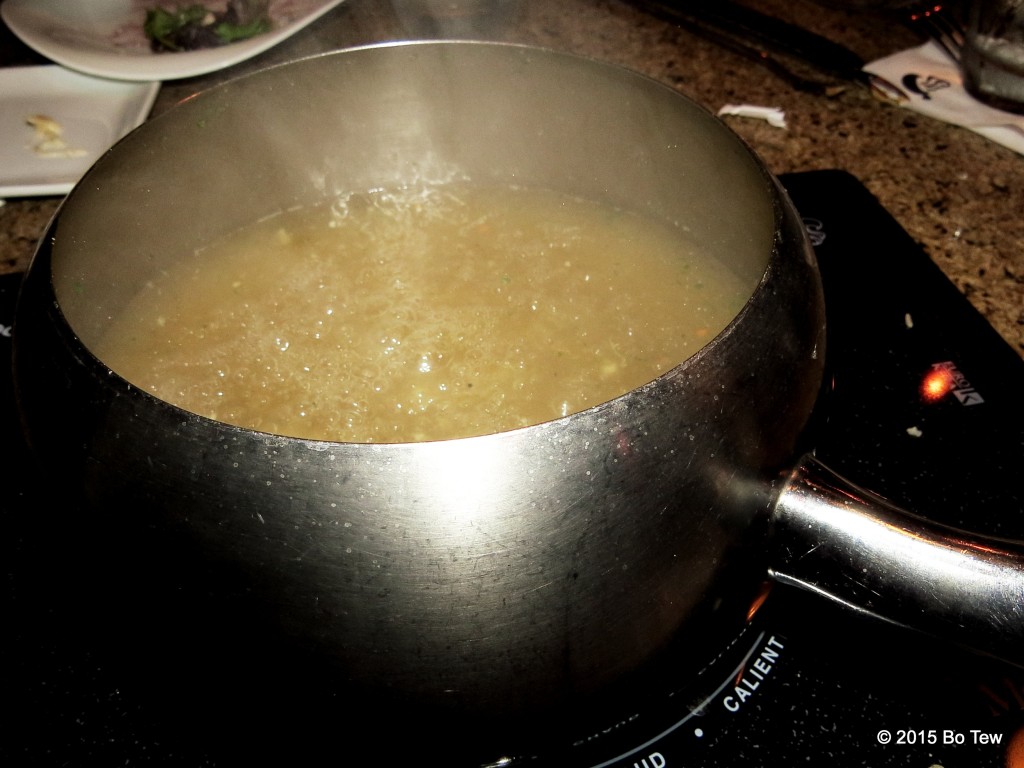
49,141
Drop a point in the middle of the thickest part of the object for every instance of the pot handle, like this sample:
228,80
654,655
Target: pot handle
858,549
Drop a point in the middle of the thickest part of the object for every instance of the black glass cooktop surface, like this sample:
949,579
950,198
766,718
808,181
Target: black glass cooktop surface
816,684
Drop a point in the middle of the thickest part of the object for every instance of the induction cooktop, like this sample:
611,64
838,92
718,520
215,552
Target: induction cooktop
810,684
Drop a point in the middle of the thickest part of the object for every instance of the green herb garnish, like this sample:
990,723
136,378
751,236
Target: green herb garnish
192,27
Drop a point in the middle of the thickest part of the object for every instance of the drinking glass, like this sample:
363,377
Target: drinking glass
993,54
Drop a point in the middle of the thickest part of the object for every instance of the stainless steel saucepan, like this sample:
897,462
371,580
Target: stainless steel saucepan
496,582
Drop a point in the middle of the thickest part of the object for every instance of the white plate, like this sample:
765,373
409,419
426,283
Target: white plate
92,113
105,37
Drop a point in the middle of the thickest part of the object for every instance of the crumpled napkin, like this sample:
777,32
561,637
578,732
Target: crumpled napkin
927,80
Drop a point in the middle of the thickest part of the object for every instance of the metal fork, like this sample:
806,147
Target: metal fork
939,22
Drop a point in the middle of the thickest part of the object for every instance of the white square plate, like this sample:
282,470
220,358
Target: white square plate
92,113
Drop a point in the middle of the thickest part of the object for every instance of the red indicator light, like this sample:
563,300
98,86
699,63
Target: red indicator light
938,382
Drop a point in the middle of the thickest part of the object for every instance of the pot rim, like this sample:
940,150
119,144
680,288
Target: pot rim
771,187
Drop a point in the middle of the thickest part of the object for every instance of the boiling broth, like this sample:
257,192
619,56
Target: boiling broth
423,315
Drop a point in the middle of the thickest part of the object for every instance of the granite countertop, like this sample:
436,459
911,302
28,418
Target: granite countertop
956,193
